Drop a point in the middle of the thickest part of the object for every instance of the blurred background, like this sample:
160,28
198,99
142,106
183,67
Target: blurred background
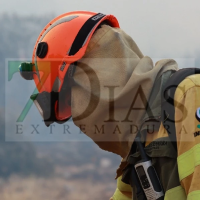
46,165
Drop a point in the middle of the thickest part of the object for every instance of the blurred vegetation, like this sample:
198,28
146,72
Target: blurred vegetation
17,38
21,158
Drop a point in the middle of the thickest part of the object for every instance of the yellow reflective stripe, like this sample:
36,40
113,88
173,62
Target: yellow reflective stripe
194,195
188,161
177,193
122,186
120,196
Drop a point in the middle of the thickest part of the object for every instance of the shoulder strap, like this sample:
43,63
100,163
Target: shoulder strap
167,106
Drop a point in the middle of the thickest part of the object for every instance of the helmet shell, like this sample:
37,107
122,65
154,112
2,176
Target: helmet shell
51,55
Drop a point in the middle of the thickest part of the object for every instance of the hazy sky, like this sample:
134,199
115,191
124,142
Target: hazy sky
171,28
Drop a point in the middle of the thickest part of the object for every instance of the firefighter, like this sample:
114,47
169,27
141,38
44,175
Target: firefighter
87,68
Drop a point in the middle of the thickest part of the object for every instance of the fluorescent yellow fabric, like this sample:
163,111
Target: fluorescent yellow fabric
122,186
194,195
118,195
176,193
188,161
123,191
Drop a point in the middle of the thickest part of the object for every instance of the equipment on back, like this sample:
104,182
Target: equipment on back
167,106
168,120
59,46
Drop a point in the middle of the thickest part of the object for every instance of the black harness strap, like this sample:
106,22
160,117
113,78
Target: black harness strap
84,33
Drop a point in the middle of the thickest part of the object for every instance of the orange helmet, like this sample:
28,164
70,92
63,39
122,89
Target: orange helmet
61,43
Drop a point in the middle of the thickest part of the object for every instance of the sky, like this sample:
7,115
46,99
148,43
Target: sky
170,27
161,29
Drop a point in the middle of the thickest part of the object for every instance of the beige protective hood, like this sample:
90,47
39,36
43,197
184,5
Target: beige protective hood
113,83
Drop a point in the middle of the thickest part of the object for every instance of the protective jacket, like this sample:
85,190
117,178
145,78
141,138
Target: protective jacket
179,175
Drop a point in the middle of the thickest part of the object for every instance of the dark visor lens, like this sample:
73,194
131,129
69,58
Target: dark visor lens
45,103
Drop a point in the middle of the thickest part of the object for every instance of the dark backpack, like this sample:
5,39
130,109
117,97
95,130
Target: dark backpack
160,106
167,107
